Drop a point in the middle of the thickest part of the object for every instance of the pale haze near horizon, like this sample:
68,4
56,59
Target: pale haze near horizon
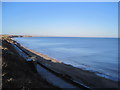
60,0
61,19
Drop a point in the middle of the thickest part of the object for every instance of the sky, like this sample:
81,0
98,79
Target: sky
60,0
69,19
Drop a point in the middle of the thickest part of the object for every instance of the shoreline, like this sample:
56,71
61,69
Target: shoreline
57,61
81,76
38,56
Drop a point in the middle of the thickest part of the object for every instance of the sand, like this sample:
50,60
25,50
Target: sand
83,77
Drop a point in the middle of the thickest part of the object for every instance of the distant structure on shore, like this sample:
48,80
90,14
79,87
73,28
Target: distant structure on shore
11,36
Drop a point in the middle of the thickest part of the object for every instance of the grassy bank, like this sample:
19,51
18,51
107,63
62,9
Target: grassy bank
16,72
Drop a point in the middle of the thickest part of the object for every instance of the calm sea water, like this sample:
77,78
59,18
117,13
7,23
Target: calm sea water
98,55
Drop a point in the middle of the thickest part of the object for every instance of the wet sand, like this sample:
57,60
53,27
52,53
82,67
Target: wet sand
86,78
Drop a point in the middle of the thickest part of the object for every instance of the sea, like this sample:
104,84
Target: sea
99,55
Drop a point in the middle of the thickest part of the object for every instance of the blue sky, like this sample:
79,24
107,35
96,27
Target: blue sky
71,19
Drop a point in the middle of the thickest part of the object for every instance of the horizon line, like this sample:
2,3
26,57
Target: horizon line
61,36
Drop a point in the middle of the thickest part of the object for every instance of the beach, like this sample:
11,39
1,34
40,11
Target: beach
72,74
